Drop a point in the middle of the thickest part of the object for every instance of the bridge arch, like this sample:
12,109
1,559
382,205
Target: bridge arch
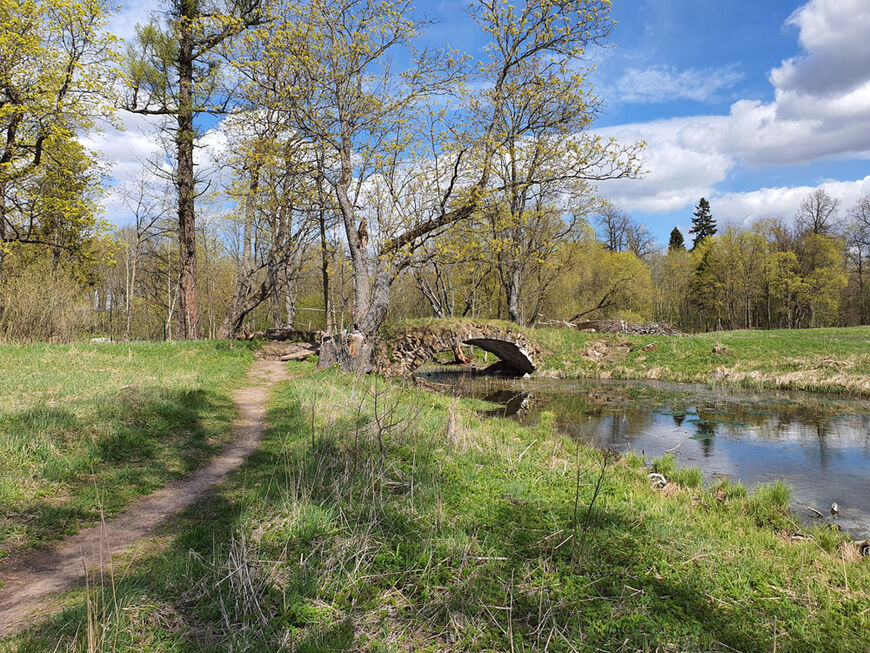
407,348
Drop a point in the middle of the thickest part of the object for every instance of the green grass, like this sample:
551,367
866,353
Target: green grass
466,534
88,427
828,360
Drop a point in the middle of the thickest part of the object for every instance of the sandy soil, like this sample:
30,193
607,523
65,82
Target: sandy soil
32,579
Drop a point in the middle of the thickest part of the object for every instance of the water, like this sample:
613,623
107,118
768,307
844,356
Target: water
820,446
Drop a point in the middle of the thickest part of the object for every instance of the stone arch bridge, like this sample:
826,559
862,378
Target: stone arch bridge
406,347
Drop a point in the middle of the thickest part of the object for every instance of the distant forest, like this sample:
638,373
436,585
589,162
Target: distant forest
348,193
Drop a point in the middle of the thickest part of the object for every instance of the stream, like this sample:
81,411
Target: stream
818,445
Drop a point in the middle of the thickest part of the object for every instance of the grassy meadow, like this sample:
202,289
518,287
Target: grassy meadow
86,428
379,517
823,360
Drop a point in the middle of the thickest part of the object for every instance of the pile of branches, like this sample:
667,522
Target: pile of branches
631,328
618,326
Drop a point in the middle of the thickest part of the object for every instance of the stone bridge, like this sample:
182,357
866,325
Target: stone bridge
407,347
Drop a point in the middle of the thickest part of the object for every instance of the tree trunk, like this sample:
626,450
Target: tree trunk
290,303
512,290
324,253
355,352
234,317
130,289
188,300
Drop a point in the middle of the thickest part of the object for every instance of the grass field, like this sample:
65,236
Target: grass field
827,360
392,519
89,427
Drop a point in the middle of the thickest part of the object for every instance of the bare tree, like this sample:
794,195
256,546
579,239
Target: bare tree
613,226
639,240
858,250
148,208
818,213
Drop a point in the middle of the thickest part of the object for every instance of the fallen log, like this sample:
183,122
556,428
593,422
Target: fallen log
300,352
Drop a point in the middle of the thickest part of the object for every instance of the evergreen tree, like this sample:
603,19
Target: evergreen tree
677,241
703,224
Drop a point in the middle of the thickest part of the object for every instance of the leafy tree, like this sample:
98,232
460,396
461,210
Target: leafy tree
399,173
53,75
703,224
704,289
172,70
672,275
676,241
598,283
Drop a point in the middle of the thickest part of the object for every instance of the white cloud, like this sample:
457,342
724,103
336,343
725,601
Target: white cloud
664,84
821,110
834,36
783,202
123,22
680,163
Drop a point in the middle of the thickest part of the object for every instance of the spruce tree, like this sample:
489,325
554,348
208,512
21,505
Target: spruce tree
677,241
703,224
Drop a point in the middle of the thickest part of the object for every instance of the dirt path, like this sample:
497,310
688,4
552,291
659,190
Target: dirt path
32,580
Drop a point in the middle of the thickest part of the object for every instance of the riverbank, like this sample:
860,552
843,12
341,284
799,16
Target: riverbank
380,517
835,360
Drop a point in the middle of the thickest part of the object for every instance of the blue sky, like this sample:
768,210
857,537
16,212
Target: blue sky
750,104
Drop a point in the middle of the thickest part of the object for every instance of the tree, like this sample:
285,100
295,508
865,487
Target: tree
273,189
703,224
818,213
704,289
858,252
399,173
598,283
639,241
676,241
172,71
53,74
613,225
145,202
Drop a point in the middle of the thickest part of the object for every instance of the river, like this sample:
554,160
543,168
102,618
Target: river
818,445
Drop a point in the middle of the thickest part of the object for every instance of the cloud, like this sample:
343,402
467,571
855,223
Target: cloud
783,202
123,22
820,111
833,34
681,165
656,84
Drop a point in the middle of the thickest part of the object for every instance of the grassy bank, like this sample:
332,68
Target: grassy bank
91,426
827,360
388,519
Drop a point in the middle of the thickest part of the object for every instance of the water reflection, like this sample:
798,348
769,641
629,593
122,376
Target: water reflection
820,446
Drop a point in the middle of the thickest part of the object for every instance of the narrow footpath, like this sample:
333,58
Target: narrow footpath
32,580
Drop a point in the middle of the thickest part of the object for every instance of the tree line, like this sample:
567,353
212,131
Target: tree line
364,177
